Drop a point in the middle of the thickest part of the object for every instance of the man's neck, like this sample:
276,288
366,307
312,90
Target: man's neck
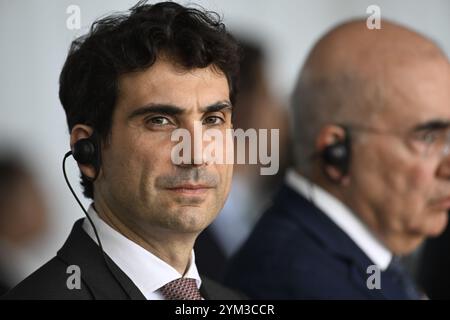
173,248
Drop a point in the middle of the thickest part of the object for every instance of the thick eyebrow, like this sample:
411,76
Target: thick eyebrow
432,125
166,109
172,110
218,106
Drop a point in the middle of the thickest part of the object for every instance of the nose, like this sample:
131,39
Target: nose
444,167
197,156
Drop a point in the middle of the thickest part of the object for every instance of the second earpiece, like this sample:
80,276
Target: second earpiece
338,154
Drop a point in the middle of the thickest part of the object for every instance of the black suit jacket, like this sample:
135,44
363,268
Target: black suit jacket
297,252
97,282
433,271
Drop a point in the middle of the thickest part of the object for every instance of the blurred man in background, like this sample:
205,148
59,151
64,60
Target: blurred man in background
23,217
371,178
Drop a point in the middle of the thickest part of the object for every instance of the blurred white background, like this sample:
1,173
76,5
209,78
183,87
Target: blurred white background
34,41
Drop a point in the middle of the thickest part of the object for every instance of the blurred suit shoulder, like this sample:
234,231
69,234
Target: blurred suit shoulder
49,282
96,281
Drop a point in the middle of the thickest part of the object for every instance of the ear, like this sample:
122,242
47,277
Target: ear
329,135
81,131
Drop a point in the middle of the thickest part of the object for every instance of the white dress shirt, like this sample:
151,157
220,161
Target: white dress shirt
148,272
343,217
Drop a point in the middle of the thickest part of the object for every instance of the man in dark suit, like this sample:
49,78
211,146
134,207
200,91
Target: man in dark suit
127,87
56,280
371,176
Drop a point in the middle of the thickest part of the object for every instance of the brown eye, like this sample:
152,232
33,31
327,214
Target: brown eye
158,121
213,120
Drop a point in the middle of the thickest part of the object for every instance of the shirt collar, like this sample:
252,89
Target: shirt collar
148,272
343,217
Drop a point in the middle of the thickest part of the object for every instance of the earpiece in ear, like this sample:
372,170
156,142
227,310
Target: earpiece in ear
338,155
84,151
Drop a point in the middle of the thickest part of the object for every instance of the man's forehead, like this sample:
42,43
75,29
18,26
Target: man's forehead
417,97
167,85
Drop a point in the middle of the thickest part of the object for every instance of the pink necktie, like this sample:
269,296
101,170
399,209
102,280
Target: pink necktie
181,289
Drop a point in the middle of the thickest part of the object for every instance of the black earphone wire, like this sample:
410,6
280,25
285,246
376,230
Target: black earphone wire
105,259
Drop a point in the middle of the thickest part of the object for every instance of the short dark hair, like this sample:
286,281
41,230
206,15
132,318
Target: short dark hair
132,41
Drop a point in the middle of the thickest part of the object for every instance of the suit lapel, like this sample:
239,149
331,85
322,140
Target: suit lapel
332,238
79,249
204,291
211,290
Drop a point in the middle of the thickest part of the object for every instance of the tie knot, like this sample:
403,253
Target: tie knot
181,289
